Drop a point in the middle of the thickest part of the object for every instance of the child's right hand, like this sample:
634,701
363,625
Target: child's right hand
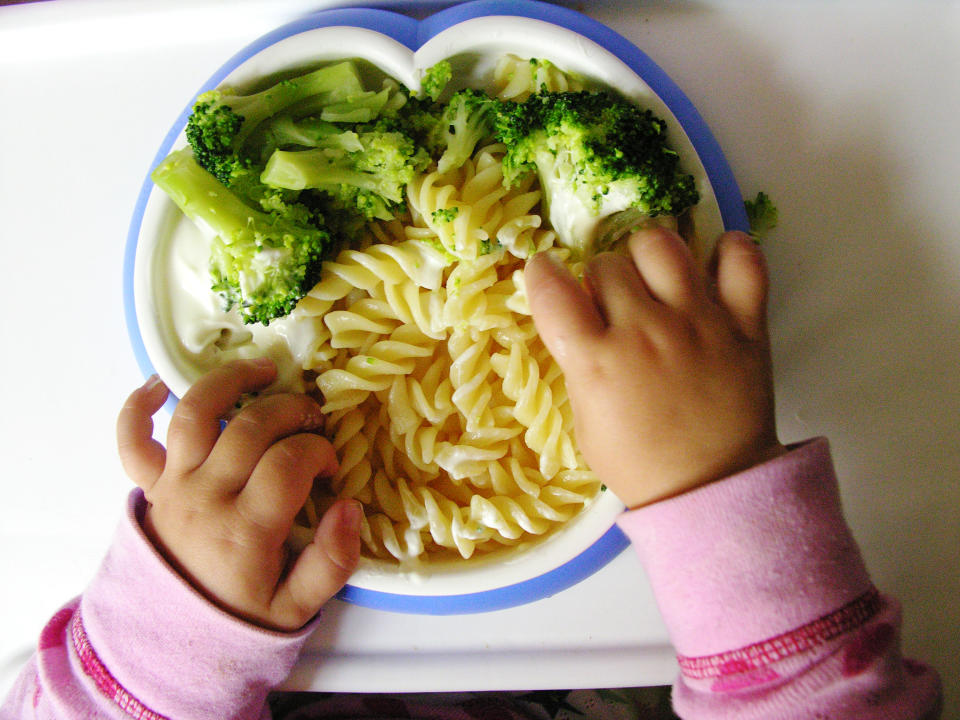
221,504
668,369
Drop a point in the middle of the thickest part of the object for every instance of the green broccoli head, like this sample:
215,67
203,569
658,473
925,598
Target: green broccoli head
261,262
371,179
596,154
222,120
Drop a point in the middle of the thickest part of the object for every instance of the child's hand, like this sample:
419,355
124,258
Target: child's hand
668,370
222,504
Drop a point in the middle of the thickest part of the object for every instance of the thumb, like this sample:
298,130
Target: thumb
142,457
323,567
564,313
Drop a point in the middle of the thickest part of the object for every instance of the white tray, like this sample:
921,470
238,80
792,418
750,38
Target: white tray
845,116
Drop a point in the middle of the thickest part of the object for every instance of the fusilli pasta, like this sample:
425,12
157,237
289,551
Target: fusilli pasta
448,415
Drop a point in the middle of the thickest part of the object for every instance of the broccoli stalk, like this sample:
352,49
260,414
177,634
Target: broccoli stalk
596,155
223,120
371,178
283,131
260,262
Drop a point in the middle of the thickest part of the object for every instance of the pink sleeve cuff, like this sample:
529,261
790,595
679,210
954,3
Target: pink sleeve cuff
145,637
752,556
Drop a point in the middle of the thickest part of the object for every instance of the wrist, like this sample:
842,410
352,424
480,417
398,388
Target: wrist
152,631
696,472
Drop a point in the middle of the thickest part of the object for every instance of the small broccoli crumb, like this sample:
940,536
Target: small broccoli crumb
445,214
762,215
435,79
488,246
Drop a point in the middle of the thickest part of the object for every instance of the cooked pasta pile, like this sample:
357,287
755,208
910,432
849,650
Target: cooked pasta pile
450,418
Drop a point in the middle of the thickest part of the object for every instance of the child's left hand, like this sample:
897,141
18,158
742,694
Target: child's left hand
221,504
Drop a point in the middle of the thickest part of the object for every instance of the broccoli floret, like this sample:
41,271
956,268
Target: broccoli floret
464,121
449,131
261,262
762,215
222,120
435,79
372,180
596,154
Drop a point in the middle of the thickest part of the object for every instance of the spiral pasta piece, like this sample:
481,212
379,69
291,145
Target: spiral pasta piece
375,369
535,409
407,261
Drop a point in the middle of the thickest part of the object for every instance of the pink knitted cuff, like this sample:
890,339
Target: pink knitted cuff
751,557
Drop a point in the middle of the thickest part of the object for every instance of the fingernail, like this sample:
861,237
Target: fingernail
352,514
553,259
653,233
740,236
261,362
152,382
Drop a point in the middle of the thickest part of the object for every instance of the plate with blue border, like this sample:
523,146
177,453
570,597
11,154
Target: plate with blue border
400,45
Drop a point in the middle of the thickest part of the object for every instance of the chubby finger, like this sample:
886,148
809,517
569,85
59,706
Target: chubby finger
142,457
743,282
667,267
254,430
195,425
618,290
279,485
323,567
564,313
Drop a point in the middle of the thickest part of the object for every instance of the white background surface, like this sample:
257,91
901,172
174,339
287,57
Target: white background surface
846,113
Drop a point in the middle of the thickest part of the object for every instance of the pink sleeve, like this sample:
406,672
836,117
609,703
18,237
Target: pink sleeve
142,643
769,605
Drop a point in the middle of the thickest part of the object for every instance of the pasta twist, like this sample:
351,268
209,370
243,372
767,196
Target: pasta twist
426,398
466,303
535,409
516,78
411,260
469,368
351,441
375,369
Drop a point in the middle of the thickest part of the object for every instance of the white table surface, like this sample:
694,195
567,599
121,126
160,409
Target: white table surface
846,113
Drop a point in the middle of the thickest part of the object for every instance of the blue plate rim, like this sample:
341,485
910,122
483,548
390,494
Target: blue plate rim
413,33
